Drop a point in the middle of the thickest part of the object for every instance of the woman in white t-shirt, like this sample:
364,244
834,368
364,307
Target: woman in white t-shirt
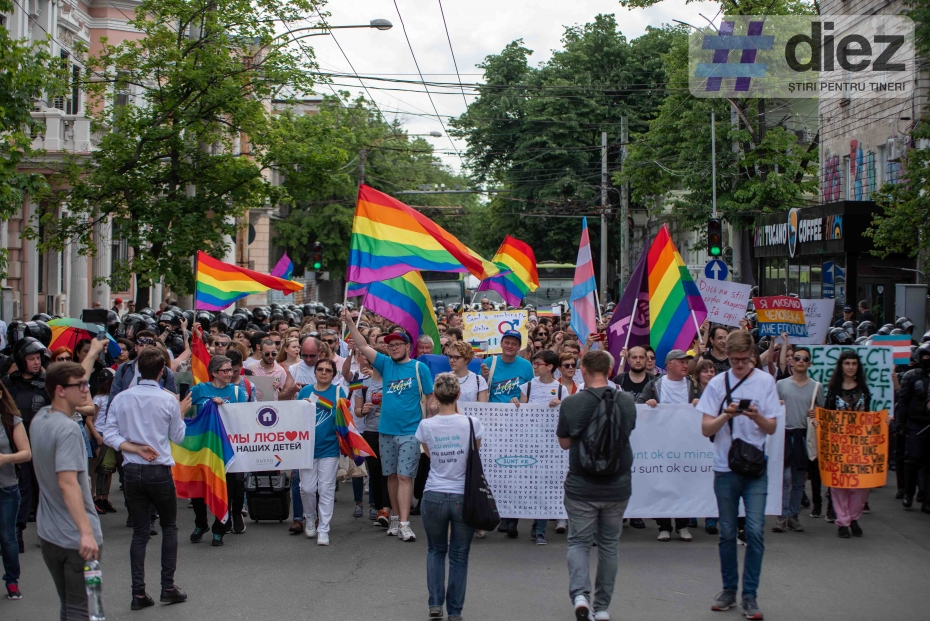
445,438
472,387
544,388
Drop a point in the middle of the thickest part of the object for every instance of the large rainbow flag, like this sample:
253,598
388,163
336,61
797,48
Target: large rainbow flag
390,239
351,442
517,264
403,300
201,460
676,307
221,284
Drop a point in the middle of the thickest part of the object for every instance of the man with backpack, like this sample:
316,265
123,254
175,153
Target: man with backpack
595,426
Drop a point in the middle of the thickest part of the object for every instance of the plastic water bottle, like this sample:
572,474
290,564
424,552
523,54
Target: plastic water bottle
93,584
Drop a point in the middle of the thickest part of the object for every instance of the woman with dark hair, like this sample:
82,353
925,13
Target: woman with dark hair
14,449
847,390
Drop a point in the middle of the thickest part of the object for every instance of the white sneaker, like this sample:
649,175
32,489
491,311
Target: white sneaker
561,526
406,533
685,534
582,609
601,615
322,539
664,535
394,527
310,527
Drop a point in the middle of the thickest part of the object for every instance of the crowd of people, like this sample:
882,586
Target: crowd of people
76,416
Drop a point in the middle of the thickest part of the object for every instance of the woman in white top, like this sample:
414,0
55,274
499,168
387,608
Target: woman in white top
472,387
544,388
445,438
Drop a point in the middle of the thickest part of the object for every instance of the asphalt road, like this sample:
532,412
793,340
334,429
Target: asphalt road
266,573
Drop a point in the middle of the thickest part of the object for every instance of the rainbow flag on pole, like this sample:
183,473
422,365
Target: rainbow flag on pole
405,301
390,239
201,460
351,442
582,301
220,285
517,264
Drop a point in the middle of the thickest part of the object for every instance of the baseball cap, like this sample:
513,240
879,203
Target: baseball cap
118,301
513,334
397,336
847,309
677,354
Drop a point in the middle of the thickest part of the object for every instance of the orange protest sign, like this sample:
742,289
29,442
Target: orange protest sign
852,448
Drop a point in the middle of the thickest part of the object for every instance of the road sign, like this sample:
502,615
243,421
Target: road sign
716,270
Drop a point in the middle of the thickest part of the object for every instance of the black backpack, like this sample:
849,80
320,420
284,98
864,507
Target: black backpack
602,443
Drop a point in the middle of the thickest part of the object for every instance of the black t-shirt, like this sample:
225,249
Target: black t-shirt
721,366
626,384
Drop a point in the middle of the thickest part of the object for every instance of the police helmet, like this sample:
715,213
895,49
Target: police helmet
27,346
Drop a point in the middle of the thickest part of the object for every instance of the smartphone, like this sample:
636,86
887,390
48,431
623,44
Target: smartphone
102,335
744,404
184,389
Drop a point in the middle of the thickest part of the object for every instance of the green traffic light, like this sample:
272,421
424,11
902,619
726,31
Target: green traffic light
317,265
715,251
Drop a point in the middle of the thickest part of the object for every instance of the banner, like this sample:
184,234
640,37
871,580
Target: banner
877,364
672,473
263,386
275,435
726,301
488,327
780,313
852,448
819,317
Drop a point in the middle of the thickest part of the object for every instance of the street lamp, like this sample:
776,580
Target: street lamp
379,24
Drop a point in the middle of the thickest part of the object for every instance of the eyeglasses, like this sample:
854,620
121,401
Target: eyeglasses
453,358
145,341
746,360
82,386
396,344
801,359
270,354
570,365
324,370
308,356
63,359
229,370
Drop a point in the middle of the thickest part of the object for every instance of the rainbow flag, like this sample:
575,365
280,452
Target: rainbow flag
673,297
900,345
356,384
284,268
221,284
390,239
323,401
517,264
405,301
351,442
202,459
200,359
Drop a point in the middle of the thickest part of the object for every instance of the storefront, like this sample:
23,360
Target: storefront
822,252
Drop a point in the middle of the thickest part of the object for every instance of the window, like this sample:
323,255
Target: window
794,276
119,257
816,278
805,278
72,104
839,278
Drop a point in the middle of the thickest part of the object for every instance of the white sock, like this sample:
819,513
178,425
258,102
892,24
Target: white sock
394,517
405,523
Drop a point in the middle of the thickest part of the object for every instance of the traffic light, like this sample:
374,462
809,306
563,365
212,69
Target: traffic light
317,256
714,237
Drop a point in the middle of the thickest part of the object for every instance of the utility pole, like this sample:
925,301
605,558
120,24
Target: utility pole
624,208
362,156
713,164
736,236
604,296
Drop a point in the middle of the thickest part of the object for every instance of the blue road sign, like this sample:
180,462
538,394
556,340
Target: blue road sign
716,270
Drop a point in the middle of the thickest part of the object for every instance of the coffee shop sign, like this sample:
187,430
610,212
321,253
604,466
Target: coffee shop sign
797,230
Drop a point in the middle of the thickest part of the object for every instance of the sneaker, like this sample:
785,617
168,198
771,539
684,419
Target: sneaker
394,528
831,516
843,532
153,532
173,596
751,608
582,608
817,512
108,507
907,501
310,528
740,539
855,528
406,533
601,615
217,540
692,523
357,512
238,524
297,527
141,601
481,534
100,509
561,526
665,535
899,495
637,523
805,501
724,601
540,540
245,510
373,514
322,539
13,592
685,534
795,525
866,508
455,617
710,526
198,534
435,612
384,519
781,525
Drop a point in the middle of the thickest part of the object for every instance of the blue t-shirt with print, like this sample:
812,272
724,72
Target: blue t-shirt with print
325,441
508,377
204,391
400,405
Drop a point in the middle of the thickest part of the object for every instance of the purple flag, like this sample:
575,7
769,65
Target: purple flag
635,298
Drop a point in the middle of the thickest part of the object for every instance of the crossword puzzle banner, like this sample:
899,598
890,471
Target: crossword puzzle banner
672,463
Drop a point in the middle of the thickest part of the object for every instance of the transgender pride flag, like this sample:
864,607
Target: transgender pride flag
582,300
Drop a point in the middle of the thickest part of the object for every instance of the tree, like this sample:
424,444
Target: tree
173,172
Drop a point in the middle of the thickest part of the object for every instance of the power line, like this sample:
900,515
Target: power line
451,51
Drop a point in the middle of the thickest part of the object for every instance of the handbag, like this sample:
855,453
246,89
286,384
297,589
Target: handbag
348,469
479,509
743,458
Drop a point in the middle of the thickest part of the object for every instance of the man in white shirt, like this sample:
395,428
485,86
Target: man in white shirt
304,372
140,422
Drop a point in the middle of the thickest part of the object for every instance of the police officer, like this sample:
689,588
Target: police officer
912,417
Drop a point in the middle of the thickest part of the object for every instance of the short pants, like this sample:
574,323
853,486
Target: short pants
399,455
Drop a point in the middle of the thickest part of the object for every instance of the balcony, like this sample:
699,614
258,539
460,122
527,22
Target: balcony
63,132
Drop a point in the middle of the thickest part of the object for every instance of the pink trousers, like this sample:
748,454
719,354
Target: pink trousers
848,504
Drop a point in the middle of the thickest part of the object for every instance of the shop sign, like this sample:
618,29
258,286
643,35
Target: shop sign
797,230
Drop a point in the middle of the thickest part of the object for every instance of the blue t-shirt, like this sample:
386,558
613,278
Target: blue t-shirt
204,391
325,441
440,364
400,405
508,377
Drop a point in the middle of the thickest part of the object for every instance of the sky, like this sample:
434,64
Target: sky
477,28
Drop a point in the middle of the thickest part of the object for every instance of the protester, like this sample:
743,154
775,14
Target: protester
443,498
284,386
472,386
368,410
594,504
725,422
715,348
14,450
634,380
424,345
507,372
303,372
911,417
289,355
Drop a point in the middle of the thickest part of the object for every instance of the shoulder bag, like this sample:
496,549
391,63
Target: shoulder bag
479,509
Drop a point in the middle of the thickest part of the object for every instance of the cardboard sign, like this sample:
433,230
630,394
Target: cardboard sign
780,313
852,448
877,364
488,327
726,301
277,435
819,317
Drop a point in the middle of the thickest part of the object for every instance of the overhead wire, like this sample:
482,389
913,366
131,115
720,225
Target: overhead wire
452,52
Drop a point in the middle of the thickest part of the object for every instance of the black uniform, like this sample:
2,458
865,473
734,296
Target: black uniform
30,397
911,417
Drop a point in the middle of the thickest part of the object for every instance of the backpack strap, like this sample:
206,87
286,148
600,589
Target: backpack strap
248,388
491,374
529,388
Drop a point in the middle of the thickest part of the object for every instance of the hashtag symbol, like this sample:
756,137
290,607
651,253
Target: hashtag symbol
723,43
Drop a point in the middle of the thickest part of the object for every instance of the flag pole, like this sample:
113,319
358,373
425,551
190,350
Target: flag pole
629,333
697,327
597,304
345,300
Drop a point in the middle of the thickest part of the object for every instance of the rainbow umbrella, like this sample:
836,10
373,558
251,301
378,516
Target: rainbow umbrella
66,332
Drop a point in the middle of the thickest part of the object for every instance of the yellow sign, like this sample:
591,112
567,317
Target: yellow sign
489,327
852,448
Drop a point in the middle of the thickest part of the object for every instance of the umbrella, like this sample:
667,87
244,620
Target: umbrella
66,332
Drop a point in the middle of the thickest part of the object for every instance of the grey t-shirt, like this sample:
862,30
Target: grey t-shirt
8,471
57,446
798,400
574,413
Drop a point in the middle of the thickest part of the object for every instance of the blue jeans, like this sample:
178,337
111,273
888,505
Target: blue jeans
792,491
729,488
295,496
9,548
438,510
358,490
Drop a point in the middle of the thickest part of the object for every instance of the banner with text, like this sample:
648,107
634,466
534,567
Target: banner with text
852,448
488,327
780,313
877,365
275,435
672,473
819,317
725,301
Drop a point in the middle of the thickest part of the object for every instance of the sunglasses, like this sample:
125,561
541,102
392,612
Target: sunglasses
63,359
329,342
569,365
801,359
270,354
145,341
221,343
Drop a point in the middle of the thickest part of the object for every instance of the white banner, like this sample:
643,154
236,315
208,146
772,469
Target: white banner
819,317
276,435
672,462
726,301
